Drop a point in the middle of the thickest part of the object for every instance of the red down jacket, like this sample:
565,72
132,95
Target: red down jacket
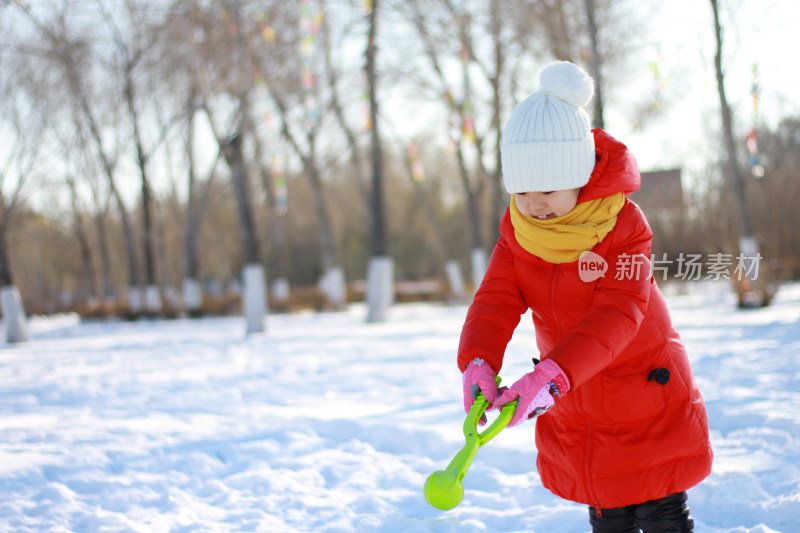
616,438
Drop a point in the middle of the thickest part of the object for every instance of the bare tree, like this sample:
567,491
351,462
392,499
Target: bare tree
240,86
27,120
219,70
122,82
132,48
332,74
83,173
291,60
83,241
196,203
17,169
416,172
499,51
276,226
579,31
380,291
751,291
72,57
595,63
193,53
10,300
473,187
101,206
551,28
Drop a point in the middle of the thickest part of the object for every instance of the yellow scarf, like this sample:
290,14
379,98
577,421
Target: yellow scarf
563,239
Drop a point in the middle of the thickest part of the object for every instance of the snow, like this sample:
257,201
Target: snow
325,423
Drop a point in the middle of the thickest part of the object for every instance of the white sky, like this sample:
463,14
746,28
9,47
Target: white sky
755,31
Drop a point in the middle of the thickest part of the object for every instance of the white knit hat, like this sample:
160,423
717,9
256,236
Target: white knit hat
547,142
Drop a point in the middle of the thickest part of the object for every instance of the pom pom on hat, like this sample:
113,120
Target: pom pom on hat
547,142
568,82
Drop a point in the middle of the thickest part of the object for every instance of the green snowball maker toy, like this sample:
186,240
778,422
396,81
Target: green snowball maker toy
444,488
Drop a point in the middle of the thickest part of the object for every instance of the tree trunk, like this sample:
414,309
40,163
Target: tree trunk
332,281
472,193
10,301
16,323
73,80
448,264
192,292
152,298
558,35
127,230
501,200
170,298
109,294
380,290
280,291
83,243
232,151
478,254
378,234
329,256
595,65
134,294
734,170
195,210
751,290
254,297
338,112
5,264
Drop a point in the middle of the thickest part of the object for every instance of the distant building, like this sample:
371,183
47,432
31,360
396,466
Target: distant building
661,192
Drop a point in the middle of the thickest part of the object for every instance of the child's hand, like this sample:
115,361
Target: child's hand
479,377
536,391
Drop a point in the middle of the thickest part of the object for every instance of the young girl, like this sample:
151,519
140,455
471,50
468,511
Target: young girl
625,429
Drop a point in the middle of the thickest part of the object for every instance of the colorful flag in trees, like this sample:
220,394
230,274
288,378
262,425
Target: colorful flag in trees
310,25
756,168
281,189
415,162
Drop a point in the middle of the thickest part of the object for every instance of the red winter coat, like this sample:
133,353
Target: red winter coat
616,438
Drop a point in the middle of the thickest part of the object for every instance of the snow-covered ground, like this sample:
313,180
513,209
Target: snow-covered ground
328,424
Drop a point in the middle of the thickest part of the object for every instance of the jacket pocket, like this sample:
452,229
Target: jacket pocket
632,398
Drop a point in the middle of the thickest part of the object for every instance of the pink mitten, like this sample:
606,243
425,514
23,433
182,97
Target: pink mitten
536,391
478,377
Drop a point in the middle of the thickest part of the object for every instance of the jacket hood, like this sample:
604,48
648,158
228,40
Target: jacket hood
615,169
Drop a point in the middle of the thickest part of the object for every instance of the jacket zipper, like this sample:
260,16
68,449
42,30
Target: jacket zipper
587,450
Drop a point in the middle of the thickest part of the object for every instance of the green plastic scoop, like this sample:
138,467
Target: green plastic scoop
444,488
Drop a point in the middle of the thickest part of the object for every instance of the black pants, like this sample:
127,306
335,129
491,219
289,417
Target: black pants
667,515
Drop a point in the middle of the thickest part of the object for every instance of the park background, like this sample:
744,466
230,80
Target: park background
165,162
153,151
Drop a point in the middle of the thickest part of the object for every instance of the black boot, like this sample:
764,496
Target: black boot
616,520
665,515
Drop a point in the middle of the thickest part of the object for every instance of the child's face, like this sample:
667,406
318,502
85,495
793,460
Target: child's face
546,205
